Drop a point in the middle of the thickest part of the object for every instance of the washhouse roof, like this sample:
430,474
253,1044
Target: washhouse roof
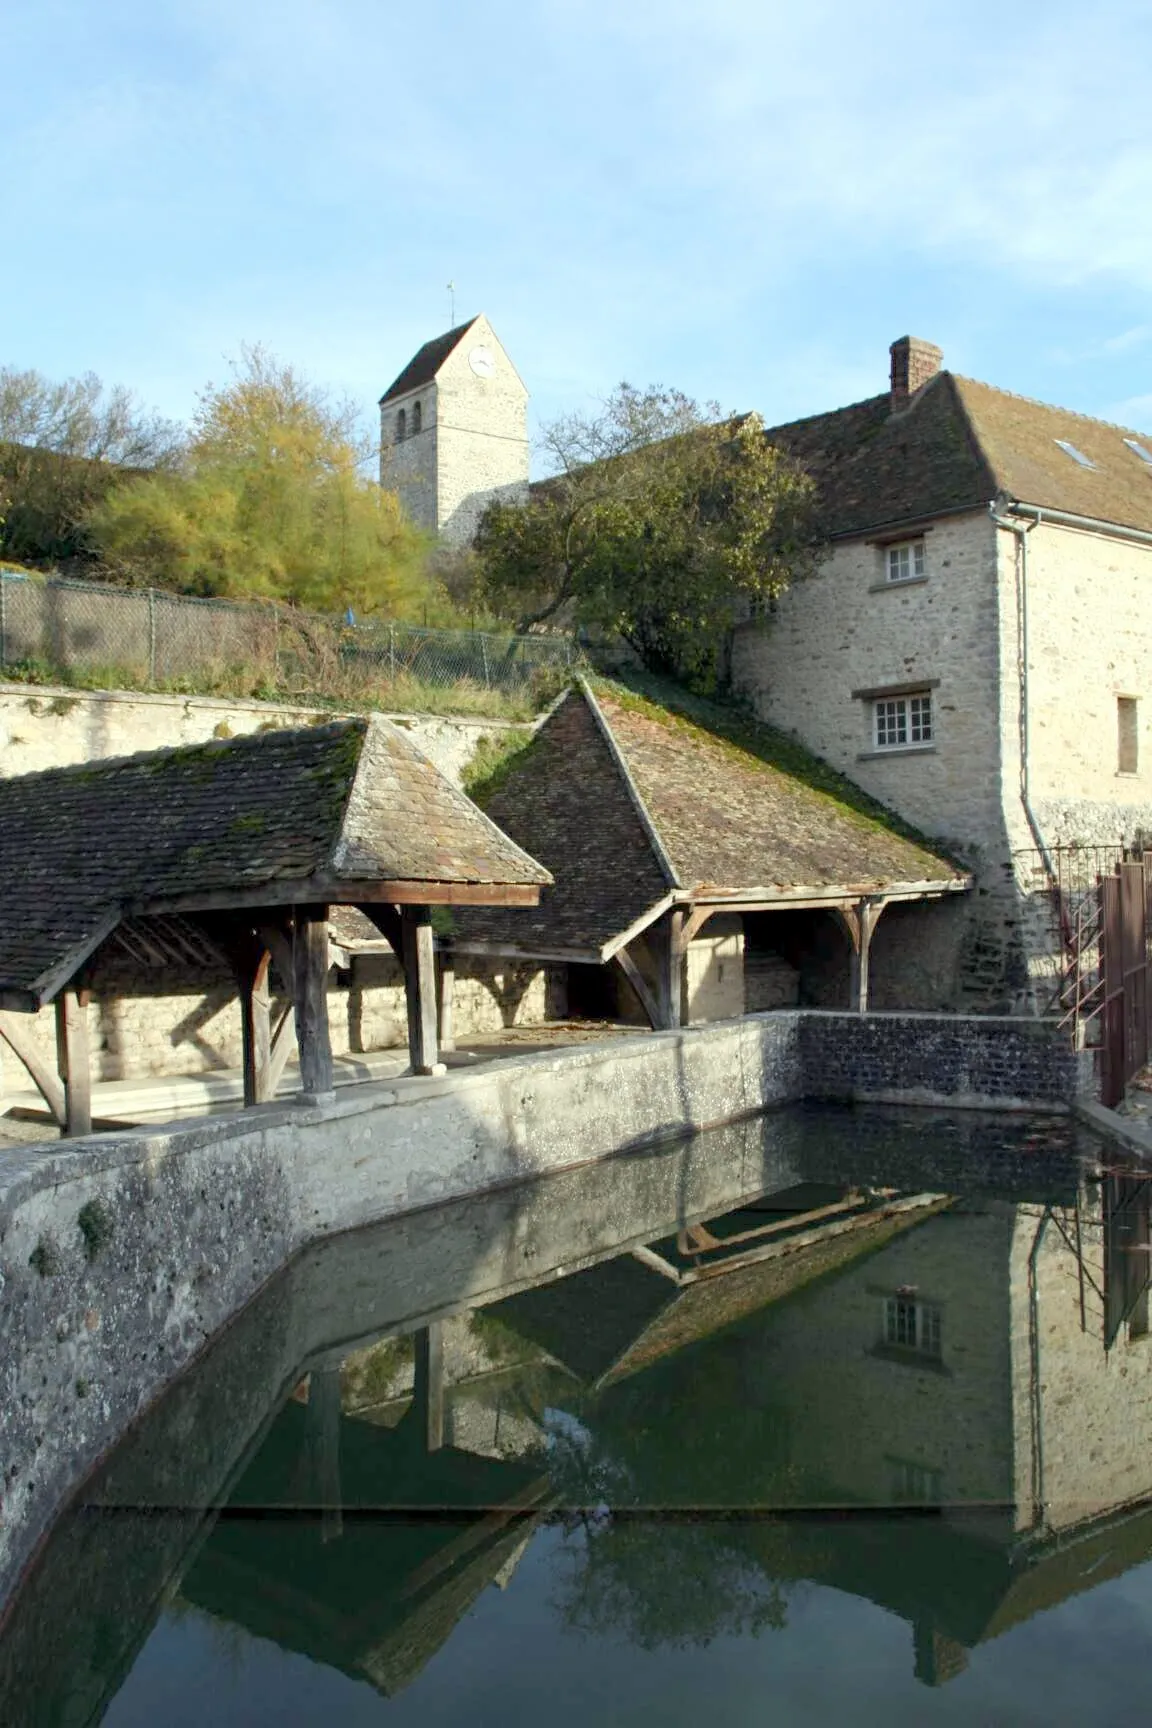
346,812
956,444
633,806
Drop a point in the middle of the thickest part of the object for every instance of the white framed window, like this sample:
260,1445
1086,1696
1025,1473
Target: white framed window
904,562
901,721
909,1324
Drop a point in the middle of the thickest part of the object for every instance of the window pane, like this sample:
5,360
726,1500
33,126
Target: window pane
918,558
891,722
920,719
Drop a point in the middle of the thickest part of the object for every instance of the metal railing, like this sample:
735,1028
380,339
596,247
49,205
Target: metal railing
149,638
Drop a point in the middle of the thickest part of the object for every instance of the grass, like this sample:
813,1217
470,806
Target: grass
351,695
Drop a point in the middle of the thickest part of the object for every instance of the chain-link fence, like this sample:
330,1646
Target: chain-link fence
145,638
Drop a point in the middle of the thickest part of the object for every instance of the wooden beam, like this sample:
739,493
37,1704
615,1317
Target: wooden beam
327,890
387,921
428,1384
695,922
23,1048
445,1001
640,984
283,1043
277,938
310,1000
72,1060
420,988
322,1438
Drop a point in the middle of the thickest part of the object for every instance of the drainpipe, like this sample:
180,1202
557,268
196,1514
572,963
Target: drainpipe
1021,531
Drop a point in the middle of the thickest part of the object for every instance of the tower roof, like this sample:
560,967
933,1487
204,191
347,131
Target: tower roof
426,362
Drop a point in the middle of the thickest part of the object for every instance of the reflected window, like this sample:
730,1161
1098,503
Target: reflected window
912,1325
914,1484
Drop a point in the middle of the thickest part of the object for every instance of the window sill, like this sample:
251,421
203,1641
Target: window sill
910,1359
896,750
1127,773
904,582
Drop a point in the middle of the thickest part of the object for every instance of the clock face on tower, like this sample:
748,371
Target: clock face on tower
482,361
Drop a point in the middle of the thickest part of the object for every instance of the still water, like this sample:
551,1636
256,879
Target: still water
836,1417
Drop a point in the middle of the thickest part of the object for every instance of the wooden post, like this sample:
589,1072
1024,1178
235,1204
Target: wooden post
860,922
72,1060
445,1001
310,999
420,988
671,974
322,1438
256,1027
428,1383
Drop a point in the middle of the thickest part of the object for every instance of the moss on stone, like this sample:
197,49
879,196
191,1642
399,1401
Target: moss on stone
95,1224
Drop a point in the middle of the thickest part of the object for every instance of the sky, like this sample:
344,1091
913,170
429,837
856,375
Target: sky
743,200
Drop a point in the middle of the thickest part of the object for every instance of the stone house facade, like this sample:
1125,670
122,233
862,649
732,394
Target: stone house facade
454,432
973,648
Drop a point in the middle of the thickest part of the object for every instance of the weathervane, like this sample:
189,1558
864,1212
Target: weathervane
451,304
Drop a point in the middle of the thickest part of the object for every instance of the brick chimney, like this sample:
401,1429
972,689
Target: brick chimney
913,363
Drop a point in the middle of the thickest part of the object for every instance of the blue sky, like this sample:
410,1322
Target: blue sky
746,200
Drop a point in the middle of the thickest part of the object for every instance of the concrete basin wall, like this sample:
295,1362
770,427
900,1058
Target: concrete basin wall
123,1254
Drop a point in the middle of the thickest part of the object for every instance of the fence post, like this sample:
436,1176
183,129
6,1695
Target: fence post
151,636
392,652
3,618
484,658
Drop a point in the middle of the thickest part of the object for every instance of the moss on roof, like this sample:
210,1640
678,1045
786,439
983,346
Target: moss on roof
733,729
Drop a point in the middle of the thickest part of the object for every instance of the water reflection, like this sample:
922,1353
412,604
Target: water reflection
902,1358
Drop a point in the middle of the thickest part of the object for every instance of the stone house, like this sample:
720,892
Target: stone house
454,431
973,649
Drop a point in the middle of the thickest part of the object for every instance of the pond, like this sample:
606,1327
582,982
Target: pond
832,1416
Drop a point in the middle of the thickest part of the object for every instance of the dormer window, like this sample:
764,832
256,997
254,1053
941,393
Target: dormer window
1070,449
1140,450
904,562
416,418
401,426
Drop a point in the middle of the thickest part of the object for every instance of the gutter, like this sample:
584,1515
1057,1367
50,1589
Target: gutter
1021,532
1038,513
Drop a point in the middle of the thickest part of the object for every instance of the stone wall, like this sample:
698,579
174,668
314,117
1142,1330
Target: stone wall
42,727
846,629
150,1023
1001,1062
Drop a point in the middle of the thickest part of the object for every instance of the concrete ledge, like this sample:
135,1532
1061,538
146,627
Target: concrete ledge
1133,1136
123,1254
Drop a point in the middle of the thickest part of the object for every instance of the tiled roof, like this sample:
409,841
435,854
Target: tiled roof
565,801
732,822
349,802
598,800
426,362
959,445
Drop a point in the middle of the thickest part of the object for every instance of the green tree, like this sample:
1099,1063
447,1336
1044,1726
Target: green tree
662,522
269,500
63,448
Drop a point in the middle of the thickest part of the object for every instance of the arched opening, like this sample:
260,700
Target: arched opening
417,418
401,426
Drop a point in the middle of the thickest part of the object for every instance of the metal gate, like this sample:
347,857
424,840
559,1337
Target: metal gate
1124,927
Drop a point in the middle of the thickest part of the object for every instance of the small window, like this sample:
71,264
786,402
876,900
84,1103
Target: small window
401,426
1128,735
417,417
900,721
912,1325
905,562
1076,455
915,1484
1140,450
